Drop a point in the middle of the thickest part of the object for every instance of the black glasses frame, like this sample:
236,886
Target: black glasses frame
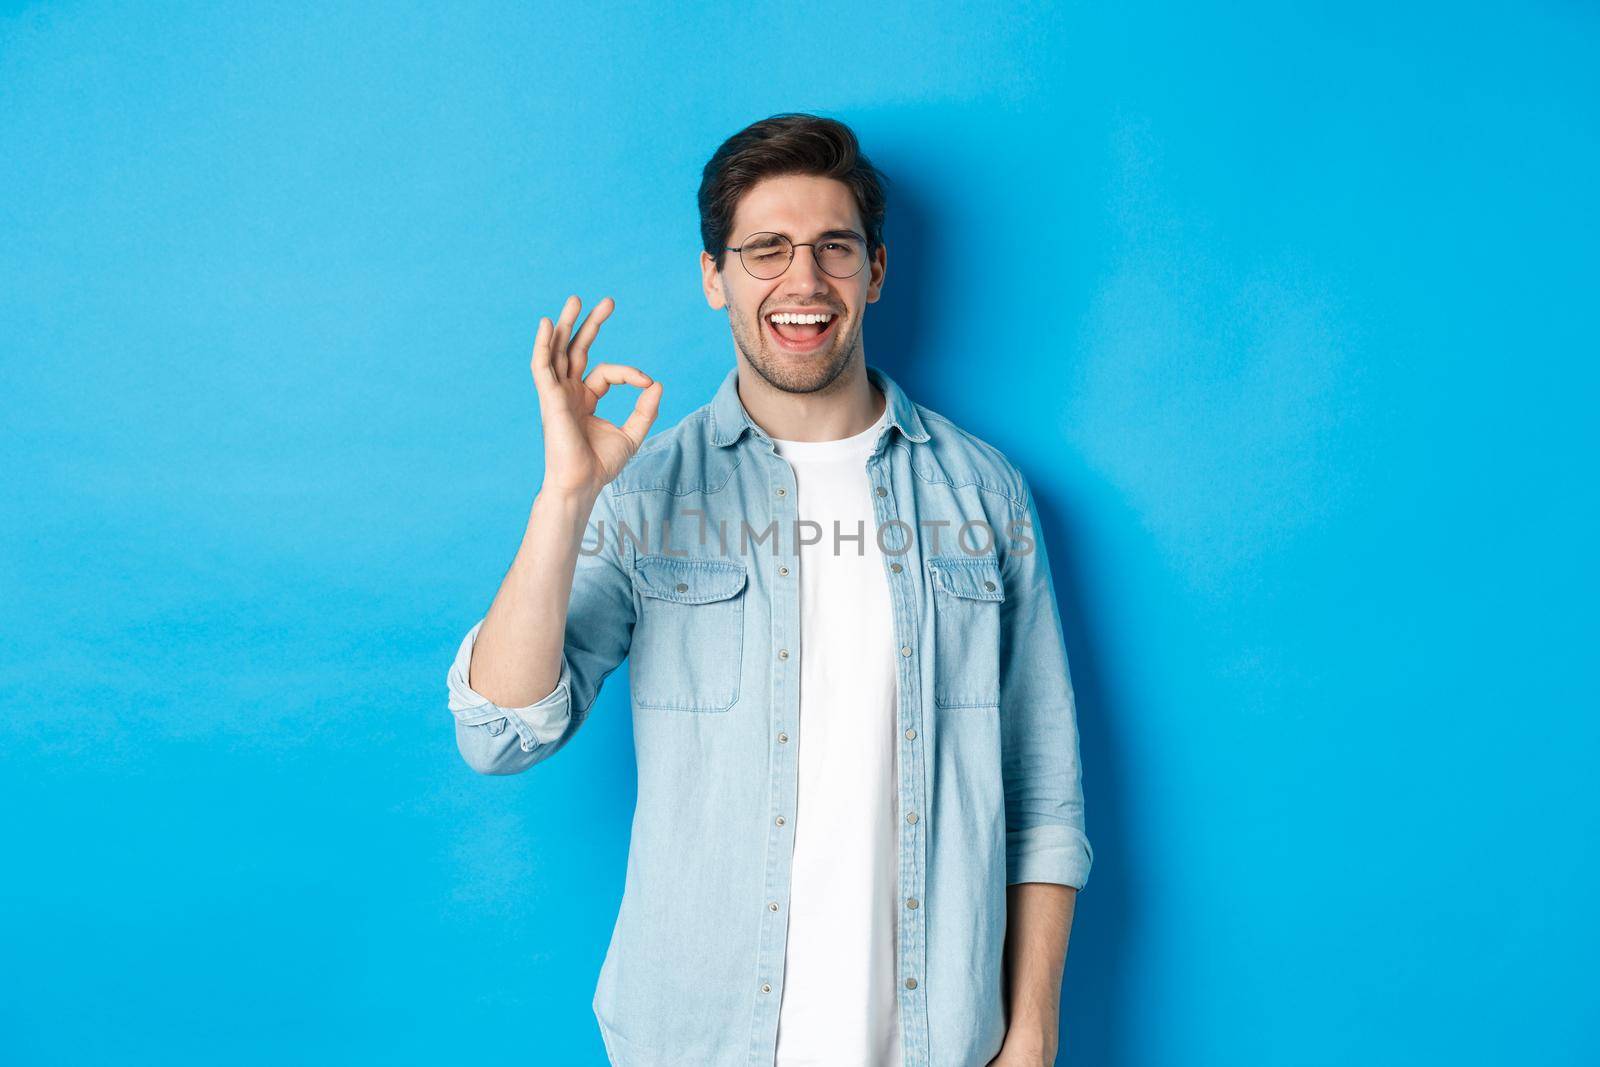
801,244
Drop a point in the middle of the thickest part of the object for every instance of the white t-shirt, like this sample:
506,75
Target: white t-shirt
839,1005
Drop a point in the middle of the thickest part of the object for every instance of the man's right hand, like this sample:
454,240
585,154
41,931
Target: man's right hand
582,452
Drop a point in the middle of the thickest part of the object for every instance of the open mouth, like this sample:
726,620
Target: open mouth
799,332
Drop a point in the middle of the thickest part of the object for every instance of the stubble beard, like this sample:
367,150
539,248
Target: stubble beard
810,375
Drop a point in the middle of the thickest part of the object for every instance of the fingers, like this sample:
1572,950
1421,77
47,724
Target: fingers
578,350
568,348
645,410
543,372
605,375
569,314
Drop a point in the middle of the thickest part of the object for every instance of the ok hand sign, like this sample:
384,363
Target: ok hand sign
583,452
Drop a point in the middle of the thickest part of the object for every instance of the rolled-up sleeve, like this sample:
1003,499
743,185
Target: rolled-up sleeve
494,739
482,732
1046,837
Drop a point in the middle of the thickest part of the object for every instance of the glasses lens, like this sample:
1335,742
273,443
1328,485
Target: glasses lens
766,255
840,256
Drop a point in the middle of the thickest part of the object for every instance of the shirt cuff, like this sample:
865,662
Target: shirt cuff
1059,854
541,722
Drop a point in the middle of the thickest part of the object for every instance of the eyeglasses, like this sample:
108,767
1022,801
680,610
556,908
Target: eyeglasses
767,255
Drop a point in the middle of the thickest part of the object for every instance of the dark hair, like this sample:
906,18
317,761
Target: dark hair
791,142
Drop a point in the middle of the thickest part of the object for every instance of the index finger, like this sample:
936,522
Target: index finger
605,375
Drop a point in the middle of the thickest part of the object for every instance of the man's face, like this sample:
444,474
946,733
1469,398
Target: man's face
796,359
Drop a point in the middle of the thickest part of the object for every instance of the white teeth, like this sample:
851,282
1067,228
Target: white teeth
793,319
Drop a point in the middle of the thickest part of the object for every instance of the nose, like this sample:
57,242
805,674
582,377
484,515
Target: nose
803,266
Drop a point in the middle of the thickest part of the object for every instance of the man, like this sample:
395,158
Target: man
859,832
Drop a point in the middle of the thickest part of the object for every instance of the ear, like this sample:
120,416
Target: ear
878,268
711,281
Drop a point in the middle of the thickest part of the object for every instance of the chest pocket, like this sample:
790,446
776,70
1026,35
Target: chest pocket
688,641
967,598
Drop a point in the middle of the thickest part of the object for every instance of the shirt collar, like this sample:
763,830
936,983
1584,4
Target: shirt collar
729,419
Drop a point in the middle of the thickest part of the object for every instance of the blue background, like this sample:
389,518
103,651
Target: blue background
1289,316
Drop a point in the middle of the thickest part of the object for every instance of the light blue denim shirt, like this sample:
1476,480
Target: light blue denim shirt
689,566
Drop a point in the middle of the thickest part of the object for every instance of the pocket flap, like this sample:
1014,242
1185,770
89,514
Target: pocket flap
688,580
973,577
